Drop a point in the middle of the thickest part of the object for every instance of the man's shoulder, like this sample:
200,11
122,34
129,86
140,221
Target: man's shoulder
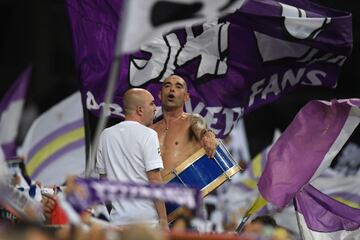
195,117
110,129
143,129
151,131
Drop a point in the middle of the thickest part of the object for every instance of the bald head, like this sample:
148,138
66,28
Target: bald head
133,98
178,79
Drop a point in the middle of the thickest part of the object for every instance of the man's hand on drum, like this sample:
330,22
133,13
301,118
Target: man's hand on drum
209,142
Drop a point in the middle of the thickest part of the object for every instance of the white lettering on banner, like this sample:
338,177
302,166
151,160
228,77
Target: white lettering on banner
312,77
289,77
272,87
212,115
211,62
113,109
210,46
105,192
161,63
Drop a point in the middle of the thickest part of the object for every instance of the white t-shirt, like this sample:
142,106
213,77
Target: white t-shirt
126,152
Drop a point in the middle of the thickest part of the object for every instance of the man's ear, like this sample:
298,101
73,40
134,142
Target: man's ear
139,110
159,95
187,97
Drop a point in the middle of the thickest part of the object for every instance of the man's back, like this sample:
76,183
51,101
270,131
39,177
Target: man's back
126,152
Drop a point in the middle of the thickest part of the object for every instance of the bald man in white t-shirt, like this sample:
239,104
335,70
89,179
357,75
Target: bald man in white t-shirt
129,151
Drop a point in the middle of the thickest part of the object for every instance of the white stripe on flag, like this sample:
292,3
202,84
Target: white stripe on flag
308,234
350,124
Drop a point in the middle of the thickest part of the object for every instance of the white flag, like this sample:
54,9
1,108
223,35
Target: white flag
11,107
54,147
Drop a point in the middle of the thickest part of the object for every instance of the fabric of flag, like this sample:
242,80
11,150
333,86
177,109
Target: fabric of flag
54,146
10,113
340,188
307,147
232,64
321,217
345,189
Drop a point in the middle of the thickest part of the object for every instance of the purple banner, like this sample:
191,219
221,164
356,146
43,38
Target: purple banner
97,191
307,147
232,65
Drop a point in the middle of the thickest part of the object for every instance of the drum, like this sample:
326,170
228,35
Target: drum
203,173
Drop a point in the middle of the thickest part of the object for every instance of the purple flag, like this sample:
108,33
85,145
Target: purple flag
321,217
307,147
97,191
10,112
232,65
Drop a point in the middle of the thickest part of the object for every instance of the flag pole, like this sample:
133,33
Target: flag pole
114,72
259,203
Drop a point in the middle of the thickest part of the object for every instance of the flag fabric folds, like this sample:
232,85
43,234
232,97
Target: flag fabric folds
345,189
10,113
307,147
232,64
321,217
54,146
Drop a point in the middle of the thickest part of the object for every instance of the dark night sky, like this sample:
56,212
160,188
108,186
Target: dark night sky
37,32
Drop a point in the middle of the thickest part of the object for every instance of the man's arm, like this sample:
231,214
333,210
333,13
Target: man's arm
206,137
155,177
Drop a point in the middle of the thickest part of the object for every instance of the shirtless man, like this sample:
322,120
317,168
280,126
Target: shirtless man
180,134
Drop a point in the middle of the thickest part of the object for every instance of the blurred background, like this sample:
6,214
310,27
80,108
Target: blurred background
38,33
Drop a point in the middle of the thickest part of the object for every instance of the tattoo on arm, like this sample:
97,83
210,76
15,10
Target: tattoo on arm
198,124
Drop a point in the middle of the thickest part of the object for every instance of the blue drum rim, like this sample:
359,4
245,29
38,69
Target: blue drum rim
208,189
193,158
219,180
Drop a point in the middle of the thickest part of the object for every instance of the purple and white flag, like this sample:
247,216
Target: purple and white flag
341,188
98,191
54,146
10,112
307,147
322,218
232,65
